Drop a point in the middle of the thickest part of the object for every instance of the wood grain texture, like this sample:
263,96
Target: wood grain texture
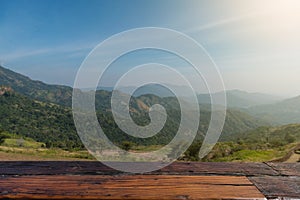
97,168
281,186
128,187
180,180
286,169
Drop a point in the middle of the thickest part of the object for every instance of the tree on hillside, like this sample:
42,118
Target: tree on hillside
127,145
2,138
289,138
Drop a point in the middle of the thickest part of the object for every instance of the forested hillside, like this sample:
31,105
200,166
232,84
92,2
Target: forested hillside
257,145
33,109
283,112
53,124
35,89
44,122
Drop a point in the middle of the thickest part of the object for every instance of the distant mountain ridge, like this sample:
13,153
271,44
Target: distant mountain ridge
53,124
241,99
270,109
235,98
30,109
58,94
62,95
155,89
283,112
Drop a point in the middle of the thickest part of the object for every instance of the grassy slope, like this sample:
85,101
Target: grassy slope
13,155
15,148
248,155
258,145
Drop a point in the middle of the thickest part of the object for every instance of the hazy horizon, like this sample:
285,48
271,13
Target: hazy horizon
255,44
109,87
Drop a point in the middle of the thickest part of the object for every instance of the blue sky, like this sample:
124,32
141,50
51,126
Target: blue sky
255,44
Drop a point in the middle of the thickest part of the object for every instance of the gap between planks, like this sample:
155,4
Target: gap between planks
128,187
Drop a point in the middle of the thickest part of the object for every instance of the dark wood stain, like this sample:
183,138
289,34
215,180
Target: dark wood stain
180,180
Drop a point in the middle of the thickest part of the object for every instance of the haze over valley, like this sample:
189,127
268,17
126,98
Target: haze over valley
35,111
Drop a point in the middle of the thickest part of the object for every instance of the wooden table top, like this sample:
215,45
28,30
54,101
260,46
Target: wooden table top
180,180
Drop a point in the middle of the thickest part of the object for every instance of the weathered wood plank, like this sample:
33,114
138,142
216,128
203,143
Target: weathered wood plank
286,169
128,187
97,168
54,168
273,179
278,186
219,168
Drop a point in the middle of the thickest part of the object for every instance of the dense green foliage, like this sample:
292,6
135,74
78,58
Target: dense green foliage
261,144
235,122
36,89
2,138
44,122
53,124
32,109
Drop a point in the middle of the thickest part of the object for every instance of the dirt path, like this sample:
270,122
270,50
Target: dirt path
290,157
293,158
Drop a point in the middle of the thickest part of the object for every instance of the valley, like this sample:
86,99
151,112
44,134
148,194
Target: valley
257,128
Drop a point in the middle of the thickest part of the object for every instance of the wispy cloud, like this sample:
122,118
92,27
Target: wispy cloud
69,49
221,22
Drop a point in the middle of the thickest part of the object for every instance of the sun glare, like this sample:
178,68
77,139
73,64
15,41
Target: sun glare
279,20
283,11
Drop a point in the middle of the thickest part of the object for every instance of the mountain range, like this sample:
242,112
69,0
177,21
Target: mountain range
282,112
242,99
38,90
235,98
43,112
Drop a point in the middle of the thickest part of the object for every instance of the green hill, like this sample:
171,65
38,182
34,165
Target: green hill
270,136
42,112
44,122
53,124
236,121
35,89
283,112
257,145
